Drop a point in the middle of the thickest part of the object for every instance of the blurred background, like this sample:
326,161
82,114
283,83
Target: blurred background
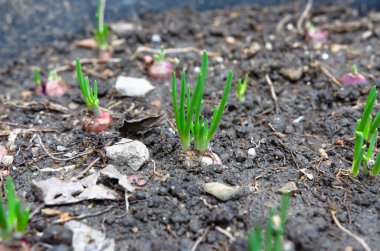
27,23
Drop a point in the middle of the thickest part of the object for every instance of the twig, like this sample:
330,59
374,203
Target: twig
281,24
84,61
348,26
60,159
225,232
83,216
29,131
36,210
303,16
155,173
272,92
172,50
359,239
207,204
330,76
81,174
64,168
200,239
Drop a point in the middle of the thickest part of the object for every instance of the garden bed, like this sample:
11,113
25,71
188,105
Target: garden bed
305,137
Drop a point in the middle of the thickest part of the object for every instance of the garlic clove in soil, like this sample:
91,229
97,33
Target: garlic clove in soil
160,70
353,78
105,54
213,156
97,124
316,35
56,88
52,88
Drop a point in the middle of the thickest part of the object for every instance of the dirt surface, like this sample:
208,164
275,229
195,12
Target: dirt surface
173,212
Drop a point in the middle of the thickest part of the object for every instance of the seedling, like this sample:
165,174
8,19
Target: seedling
101,118
274,230
191,121
353,78
102,30
241,88
13,218
159,57
316,35
365,139
160,68
53,87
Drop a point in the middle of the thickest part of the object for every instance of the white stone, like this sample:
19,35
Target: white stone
252,152
7,160
156,38
133,87
128,152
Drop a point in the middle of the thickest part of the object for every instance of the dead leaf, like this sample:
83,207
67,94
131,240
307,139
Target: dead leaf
142,125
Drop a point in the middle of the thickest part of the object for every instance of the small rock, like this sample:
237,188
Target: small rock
225,192
323,153
7,160
123,28
252,153
253,49
57,234
307,173
128,152
156,38
26,95
133,87
61,148
289,187
87,238
292,73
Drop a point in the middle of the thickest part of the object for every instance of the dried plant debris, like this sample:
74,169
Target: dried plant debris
142,125
93,187
87,238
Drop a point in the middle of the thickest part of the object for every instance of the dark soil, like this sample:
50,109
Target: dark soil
171,213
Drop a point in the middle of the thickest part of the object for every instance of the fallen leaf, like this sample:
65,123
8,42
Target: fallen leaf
142,125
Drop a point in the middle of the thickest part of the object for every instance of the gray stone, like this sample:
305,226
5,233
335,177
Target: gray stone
128,152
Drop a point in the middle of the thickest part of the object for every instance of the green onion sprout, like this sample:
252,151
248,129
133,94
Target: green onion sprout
274,231
37,77
241,88
365,139
102,29
191,121
90,95
13,218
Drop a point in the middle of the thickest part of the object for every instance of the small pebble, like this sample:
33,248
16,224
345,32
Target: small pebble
268,46
156,38
325,56
252,152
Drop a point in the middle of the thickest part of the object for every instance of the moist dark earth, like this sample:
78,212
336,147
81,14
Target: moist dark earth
313,112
